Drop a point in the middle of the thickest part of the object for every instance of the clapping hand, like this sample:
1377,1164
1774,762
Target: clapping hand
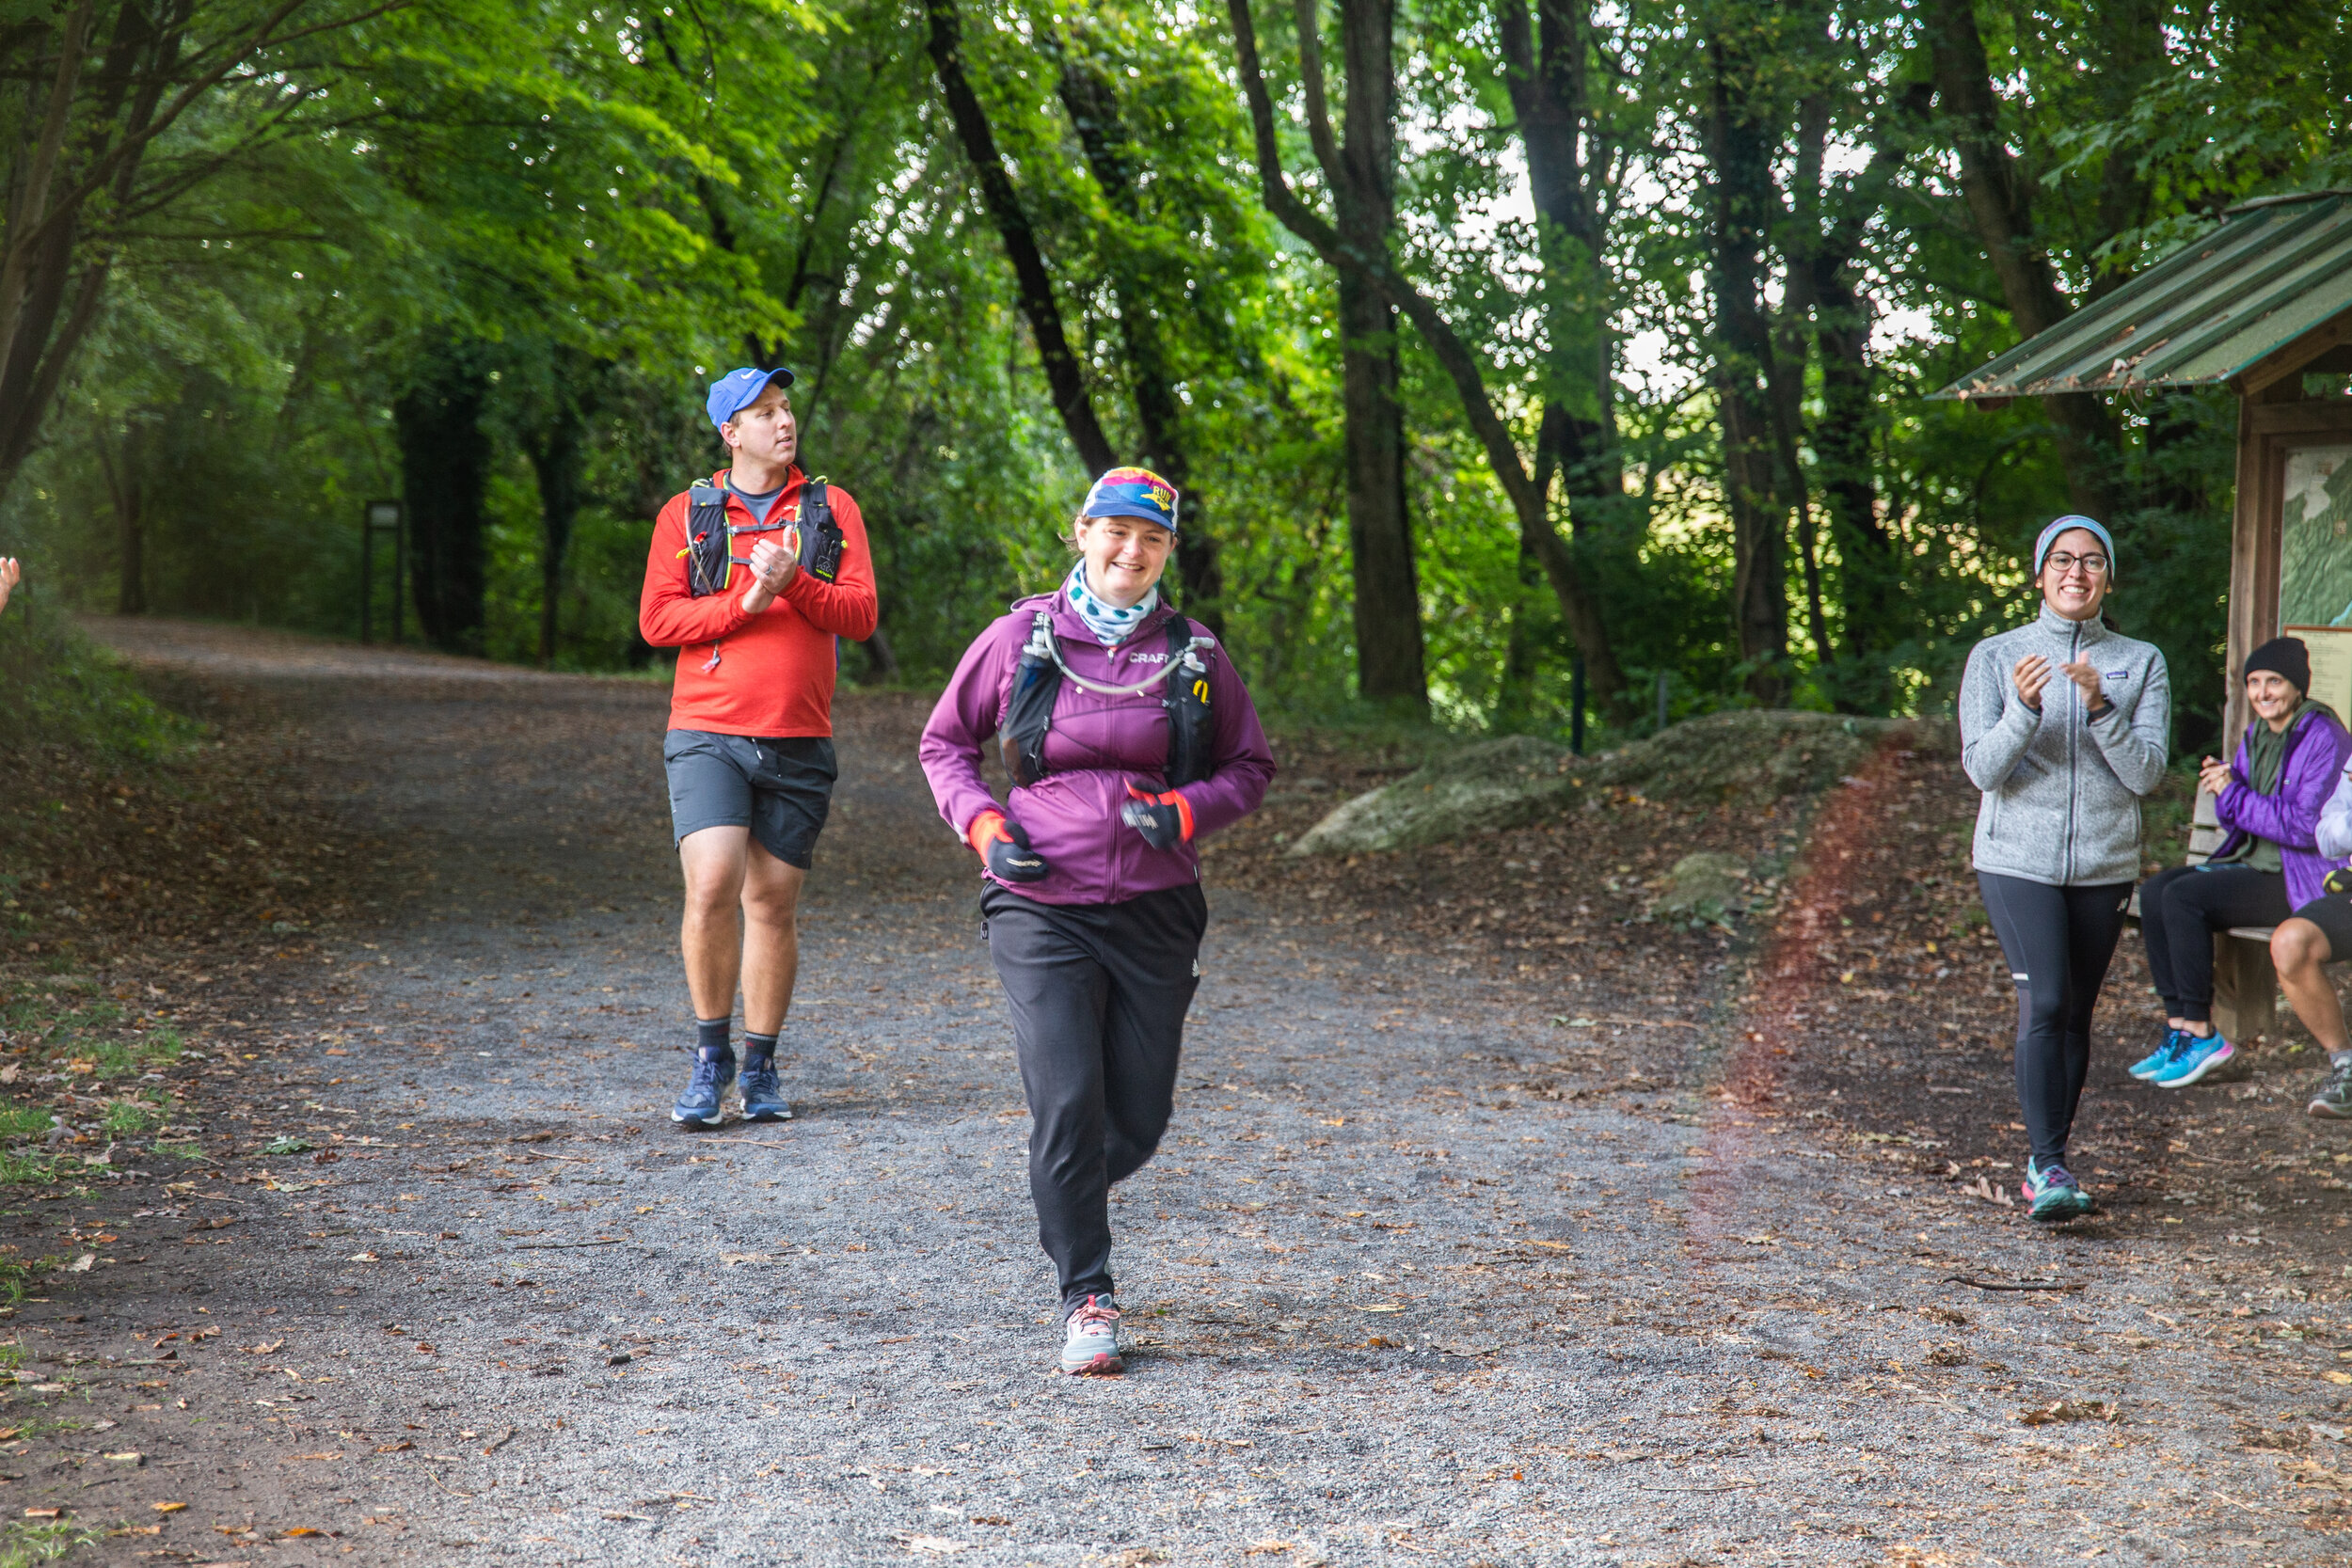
2085,675
773,567
2031,675
11,573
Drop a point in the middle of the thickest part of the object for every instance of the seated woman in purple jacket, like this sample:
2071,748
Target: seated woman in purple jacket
1128,735
2268,864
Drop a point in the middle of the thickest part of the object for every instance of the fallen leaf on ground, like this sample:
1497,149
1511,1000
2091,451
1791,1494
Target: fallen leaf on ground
169,1508
2065,1410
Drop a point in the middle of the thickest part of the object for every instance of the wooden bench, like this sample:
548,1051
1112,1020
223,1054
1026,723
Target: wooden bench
2244,981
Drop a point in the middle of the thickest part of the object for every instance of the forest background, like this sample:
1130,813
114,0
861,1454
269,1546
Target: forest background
1498,345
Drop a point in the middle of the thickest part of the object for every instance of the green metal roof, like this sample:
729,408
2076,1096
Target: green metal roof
2274,270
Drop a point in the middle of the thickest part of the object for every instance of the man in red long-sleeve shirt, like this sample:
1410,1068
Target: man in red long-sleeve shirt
750,745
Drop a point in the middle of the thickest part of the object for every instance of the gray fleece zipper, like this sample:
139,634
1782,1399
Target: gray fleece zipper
2061,789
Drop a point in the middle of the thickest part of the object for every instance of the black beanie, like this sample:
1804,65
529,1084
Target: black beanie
2282,655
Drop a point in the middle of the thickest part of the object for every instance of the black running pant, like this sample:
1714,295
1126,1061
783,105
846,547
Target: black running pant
2058,940
2180,910
1098,993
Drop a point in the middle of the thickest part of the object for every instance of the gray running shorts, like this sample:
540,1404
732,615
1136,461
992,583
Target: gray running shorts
778,788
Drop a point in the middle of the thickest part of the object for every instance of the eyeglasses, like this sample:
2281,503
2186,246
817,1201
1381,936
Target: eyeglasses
2095,565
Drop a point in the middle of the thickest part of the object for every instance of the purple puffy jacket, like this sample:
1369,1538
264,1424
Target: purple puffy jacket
2289,814
1095,748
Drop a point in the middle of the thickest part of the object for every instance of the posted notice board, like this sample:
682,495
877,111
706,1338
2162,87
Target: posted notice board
2331,665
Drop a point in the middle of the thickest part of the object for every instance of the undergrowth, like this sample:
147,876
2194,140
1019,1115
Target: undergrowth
64,690
25,1542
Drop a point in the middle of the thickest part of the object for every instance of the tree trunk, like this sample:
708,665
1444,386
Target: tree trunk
445,476
1744,201
1064,377
126,490
1869,572
882,659
1389,667
2000,206
1092,101
556,462
1577,440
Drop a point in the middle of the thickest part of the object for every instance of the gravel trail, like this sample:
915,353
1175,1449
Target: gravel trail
1425,1272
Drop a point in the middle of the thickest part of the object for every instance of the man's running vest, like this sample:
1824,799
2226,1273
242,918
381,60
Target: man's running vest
1036,685
711,538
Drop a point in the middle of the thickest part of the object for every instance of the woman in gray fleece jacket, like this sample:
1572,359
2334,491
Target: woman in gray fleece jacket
2062,725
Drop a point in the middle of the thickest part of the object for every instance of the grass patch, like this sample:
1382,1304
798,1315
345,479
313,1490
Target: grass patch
184,1149
67,690
22,1167
24,1121
127,1118
25,1542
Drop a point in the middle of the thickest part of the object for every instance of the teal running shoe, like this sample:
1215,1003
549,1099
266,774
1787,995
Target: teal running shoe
2052,1193
2199,1058
702,1105
2175,1041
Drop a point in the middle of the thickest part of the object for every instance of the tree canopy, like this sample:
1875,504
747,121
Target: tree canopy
1504,349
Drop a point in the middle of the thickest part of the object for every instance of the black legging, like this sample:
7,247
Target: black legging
1098,993
2058,940
2180,910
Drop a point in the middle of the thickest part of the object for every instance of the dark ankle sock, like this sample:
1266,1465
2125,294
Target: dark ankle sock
710,1038
759,1048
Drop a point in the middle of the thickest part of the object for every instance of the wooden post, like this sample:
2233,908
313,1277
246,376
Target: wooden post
2245,987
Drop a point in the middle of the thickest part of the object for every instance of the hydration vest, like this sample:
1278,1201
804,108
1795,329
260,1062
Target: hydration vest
711,538
1183,683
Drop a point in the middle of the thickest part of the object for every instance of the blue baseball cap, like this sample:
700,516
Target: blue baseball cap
1133,493
2071,520
738,389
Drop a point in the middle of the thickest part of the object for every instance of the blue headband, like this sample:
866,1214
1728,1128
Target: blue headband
2042,546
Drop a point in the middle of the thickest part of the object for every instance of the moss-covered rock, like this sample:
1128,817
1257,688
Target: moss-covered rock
1708,887
1750,759
1494,784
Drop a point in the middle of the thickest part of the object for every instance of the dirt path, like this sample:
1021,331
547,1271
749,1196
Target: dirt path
1424,1273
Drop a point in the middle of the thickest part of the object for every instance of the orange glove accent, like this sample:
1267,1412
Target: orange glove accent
986,828
1165,820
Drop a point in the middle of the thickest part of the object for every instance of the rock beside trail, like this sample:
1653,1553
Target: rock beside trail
1708,887
1750,759
1492,785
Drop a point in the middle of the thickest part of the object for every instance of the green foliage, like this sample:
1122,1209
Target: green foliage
64,690
24,1121
601,211
25,1542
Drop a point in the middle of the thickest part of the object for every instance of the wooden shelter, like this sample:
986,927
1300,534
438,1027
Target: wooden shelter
2259,305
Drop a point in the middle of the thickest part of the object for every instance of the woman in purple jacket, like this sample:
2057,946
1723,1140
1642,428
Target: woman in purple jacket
1127,735
2267,867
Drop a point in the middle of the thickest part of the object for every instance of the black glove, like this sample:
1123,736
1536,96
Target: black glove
1164,820
1006,848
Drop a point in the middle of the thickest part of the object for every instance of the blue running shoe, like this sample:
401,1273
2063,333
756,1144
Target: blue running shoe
2195,1061
2053,1193
763,1097
2163,1056
699,1106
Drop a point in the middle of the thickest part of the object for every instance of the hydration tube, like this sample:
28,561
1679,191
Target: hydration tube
1042,640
